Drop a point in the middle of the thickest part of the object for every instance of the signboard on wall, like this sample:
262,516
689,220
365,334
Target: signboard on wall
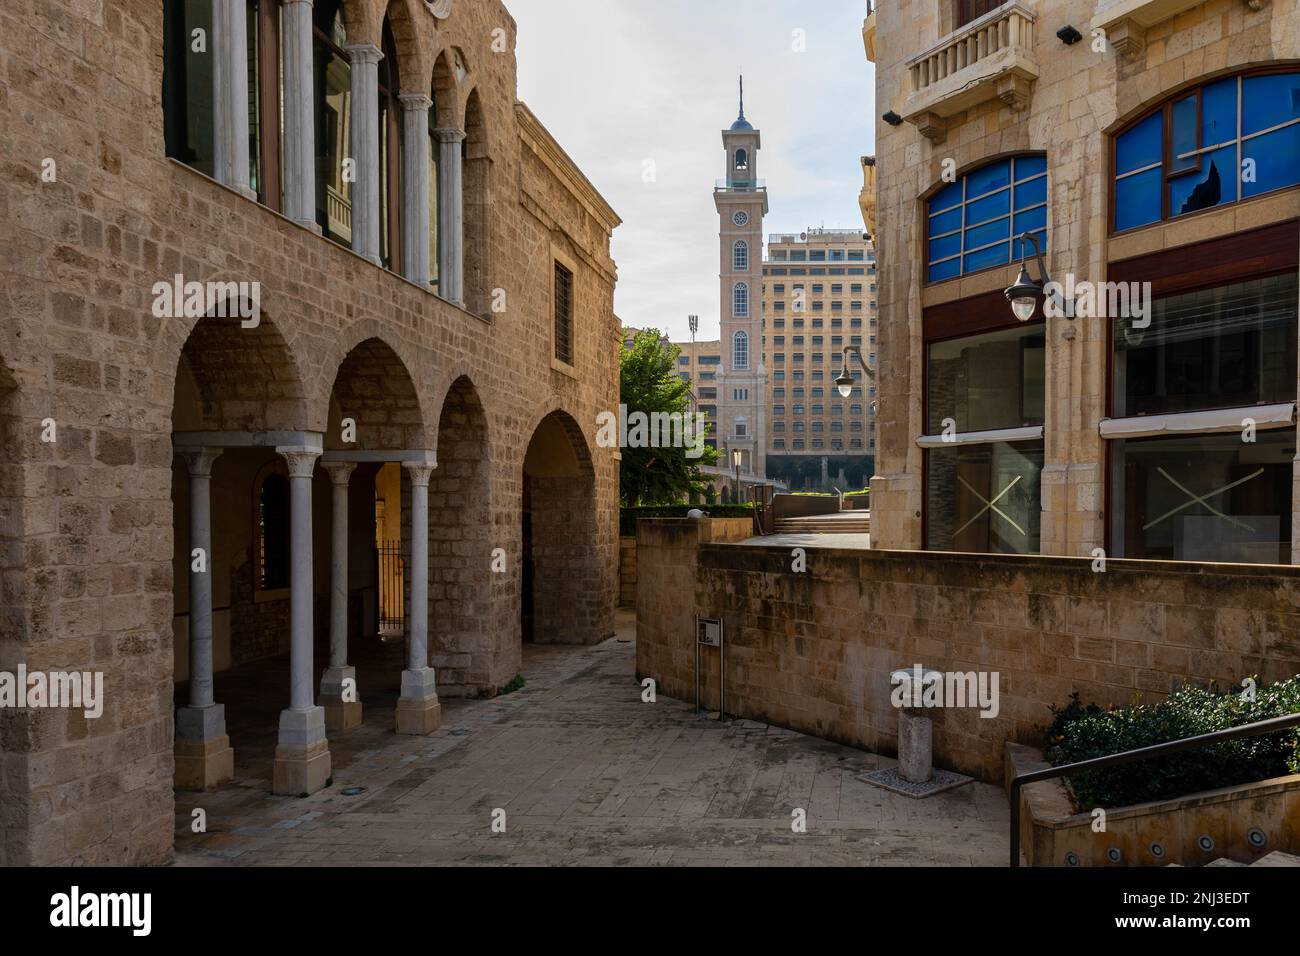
708,632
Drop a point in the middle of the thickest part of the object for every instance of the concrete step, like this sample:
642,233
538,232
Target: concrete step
1278,858
846,522
1224,861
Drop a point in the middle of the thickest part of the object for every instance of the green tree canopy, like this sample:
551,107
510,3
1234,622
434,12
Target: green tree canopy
649,384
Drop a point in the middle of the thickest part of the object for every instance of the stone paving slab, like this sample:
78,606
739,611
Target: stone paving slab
589,775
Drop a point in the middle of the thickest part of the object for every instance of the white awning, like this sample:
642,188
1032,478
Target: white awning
1215,420
1029,433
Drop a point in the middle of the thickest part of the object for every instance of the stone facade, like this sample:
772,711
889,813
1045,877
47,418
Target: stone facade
1076,98
95,541
813,650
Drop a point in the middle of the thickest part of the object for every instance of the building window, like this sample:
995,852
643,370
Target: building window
189,118
742,159
740,256
564,314
1222,347
390,155
740,350
984,497
972,223
333,118
740,300
271,527
987,381
1203,497
1226,141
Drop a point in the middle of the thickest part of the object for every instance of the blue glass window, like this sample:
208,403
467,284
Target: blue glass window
1212,157
972,223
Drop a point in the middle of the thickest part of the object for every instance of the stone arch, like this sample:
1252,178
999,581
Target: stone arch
562,593
477,208
235,378
446,92
411,44
374,388
354,336
464,639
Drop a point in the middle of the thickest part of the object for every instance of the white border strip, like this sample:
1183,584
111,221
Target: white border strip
1028,433
1216,420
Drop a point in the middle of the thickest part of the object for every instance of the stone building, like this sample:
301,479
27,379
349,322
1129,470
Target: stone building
1153,150
394,327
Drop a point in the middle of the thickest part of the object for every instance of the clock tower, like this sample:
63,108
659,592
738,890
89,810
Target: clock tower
741,200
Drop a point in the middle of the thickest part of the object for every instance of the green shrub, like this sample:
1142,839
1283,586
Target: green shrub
627,517
515,683
1080,733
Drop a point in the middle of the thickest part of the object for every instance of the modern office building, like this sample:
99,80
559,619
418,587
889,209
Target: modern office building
1157,164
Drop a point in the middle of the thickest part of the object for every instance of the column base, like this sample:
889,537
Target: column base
204,764
301,771
419,712
302,757
339,714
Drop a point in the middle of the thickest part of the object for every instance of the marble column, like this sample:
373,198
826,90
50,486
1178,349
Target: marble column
418,710
229,45
302,757
364,59
203,754
299,123
338,685
415,187
451,215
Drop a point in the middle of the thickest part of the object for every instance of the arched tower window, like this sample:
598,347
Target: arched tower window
742,159
740,300
740,256
740,351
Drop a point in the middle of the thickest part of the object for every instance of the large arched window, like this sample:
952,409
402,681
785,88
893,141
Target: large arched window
333,109
189,110
740,256
434,147
972,224
1229,140
740,300
740,351
390,156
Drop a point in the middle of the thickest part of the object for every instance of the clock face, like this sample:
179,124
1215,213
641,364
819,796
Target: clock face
740,218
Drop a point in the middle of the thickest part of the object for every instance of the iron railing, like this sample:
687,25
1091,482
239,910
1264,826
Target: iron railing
391,573
1258,729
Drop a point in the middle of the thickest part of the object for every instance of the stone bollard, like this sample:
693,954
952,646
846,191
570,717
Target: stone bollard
915,729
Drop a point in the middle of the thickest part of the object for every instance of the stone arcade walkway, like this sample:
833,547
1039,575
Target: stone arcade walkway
588,774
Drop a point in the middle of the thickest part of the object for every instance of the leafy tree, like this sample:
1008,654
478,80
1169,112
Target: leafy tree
649,383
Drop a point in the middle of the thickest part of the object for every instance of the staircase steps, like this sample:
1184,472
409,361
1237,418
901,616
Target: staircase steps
844,522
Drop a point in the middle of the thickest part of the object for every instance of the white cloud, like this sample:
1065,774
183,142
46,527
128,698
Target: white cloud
619,82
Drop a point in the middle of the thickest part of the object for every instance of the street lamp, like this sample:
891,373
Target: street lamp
736,456
844,381
1024,295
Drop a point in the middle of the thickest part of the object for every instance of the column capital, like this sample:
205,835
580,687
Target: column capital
419,471
340,472
449,134
301,461
415,102
200,460
359,53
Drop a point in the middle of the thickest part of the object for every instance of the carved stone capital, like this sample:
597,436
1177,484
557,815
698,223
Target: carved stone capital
415,102
420,472
340,472
301,461
359,53
200,460
449,135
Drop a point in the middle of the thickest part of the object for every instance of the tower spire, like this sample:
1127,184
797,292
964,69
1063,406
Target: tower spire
742,96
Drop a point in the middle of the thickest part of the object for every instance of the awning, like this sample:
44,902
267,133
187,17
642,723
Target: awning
1215,420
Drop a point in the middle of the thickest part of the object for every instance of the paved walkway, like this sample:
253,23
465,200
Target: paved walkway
588,774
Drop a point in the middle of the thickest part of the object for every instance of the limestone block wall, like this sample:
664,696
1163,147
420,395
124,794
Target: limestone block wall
1080,96
627,572
813,651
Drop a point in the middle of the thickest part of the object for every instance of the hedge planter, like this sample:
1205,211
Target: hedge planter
1241,823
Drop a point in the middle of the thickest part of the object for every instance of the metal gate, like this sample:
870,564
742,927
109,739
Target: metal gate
391,573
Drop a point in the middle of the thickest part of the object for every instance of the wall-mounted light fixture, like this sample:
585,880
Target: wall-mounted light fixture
844,381
1068,35
1025,293
892,118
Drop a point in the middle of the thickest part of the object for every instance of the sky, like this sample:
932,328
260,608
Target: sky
628,86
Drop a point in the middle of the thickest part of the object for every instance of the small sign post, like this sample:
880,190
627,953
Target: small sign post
708,633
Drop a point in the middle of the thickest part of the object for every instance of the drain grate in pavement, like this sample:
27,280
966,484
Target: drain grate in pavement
895,782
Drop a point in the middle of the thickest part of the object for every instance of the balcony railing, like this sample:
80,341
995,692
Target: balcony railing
992,56
750,186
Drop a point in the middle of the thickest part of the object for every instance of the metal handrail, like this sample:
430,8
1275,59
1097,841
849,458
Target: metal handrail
1257,729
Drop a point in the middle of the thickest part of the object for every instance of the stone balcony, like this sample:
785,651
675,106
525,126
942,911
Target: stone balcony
869,32
991,57
1127,21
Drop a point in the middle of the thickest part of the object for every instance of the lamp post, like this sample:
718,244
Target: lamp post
844,381
1025,293
736,455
